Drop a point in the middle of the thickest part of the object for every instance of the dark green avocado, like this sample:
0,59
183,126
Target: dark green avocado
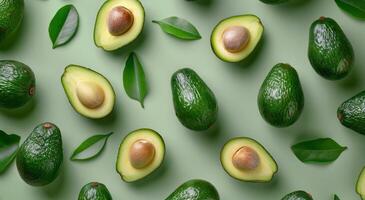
94,191
281,98
195,104
298,195
351,113
273,1
12,13
40,156
17,84
329,50
195,190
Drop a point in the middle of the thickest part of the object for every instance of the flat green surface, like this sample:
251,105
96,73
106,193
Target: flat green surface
189,155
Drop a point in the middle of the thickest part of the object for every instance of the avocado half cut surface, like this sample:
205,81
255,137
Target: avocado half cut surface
89,92
360,185
118,23
140,153
247,160
235,38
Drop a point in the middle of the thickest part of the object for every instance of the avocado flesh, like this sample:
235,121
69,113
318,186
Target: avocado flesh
360,185
124,167
12,13
195,190
264,172
298,195
102,36
72,76
253,25
94,191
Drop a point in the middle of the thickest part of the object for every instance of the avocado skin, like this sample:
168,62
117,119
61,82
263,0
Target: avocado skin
281,98
298,195
41,155
94,191
351,113
17,84
12,13
195,190
195,104
329,51
273,1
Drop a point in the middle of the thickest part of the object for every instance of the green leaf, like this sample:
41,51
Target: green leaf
355,8
64,25
9,145
91,147
134,80
179,28
336,197
319,150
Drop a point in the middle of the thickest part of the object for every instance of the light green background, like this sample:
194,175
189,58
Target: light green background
189,154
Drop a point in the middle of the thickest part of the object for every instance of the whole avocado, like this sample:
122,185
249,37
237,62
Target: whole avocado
12,13
41,155
298,195
195,190
329,50
17,84
281,98
351,113
94,191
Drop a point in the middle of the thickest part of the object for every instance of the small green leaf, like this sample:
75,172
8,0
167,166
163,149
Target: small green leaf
319,150
179,28
91,147
134,80
9,145
64,25
355,8
336,197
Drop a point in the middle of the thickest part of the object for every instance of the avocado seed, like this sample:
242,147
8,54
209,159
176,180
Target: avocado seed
141,153
246,158
90,94
120,20
235,38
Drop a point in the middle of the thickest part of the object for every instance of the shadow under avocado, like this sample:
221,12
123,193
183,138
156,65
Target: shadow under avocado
203,2
352,81
21,112
108,121
57,186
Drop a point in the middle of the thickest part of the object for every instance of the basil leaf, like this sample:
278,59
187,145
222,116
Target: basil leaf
91,147
179,28
64,25
336,198
134,80
355,8
319,150
9,145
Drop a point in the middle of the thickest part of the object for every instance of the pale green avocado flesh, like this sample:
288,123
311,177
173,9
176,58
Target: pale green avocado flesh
104,39
360,185
265,170
255,28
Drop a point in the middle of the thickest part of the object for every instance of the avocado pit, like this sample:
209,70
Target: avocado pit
235,38
141,154
91,95
120,20
245,158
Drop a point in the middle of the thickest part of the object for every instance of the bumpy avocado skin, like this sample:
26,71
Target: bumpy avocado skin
94,191
195,190
12,13
329,50
281,98
195,104
351,113
17,84
41,155
273,1
298,195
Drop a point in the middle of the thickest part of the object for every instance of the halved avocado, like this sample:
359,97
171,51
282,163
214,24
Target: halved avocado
360,185
118,23
235,38
89,92
140,153
247,160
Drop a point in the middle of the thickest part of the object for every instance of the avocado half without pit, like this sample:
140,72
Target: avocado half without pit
235,38
89,92
247,160
118,23
140,153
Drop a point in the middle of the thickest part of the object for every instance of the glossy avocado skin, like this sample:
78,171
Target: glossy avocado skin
298,195
17,84
195,190
273,1
351,113
40,156
195,104
329,51
94,191
12,13
281,98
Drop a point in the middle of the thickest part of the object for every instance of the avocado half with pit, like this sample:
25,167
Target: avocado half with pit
140,153
247,160
235,38
118,23
360,185
89,92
